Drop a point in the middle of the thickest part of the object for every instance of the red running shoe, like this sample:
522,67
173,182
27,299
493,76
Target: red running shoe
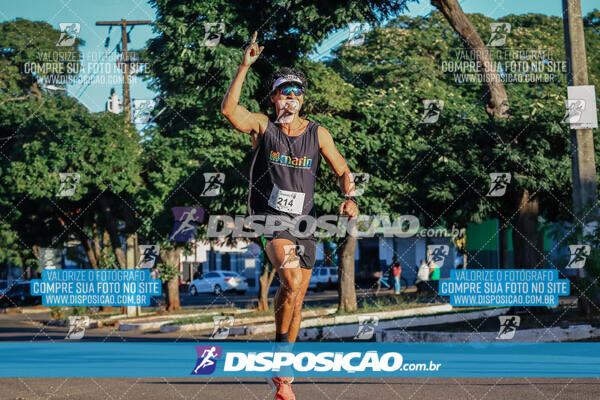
282,387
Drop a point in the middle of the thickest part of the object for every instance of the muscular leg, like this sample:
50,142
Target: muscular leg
290,275
297,316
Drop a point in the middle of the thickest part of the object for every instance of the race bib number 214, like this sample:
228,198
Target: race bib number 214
286,201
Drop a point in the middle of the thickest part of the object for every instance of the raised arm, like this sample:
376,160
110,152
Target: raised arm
338,165
242,119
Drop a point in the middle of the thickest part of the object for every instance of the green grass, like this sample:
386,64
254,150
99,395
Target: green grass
63,313
209,318
387,303
193,320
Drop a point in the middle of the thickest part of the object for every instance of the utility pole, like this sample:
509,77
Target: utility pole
583,164
132,251
125,58
585,191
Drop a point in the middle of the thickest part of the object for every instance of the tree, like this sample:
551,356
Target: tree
50,134
27,51
65,138
525,242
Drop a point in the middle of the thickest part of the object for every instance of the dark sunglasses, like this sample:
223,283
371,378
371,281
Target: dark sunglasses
288,90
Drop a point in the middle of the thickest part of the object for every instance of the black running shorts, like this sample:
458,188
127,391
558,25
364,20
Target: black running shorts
306,248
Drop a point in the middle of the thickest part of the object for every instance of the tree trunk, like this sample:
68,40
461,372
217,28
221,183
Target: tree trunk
131,237
36,250
111,227
496,98
89,251
132,311
104,251
347,291
130,250
105,243
265,280
503,246
173,303
171,257
524,238
88,245
96,241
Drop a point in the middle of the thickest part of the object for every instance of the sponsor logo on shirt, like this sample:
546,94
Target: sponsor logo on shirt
289,160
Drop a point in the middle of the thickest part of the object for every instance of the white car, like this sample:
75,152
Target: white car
218,282
323,277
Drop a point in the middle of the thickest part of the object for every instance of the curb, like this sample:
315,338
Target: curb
166,320
323,321
556,334
18,310
317,322
345,331
243,323
130,325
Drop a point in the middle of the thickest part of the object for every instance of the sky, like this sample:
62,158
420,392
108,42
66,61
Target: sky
87,12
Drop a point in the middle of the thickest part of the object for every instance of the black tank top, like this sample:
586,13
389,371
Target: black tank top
283,172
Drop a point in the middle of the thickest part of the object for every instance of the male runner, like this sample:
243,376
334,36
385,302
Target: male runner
286,159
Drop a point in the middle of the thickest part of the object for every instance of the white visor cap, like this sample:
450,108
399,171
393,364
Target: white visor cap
285,79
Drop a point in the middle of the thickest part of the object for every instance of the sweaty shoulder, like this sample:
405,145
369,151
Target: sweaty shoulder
262,121
325,137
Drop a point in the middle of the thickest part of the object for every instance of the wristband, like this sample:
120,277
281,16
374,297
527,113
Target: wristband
352,198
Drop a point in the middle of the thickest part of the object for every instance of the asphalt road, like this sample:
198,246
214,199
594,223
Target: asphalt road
313,389
28,327
326,297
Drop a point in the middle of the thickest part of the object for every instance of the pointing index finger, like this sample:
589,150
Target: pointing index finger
254,37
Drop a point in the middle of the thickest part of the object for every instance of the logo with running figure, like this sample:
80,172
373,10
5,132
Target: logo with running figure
213,181
366,327
499,183
221,327
500,31
68,183
431,111
142,110
356,34
77,325
212,33
68,33
49,258
186,219
287,109
148,255
437,253
508,326
579,253
207,359
359,182
574,111
291,252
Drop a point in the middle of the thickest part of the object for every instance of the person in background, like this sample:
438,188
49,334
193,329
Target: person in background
422,277
396,272
434,275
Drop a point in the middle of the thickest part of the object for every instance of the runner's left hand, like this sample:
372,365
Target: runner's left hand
349,208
